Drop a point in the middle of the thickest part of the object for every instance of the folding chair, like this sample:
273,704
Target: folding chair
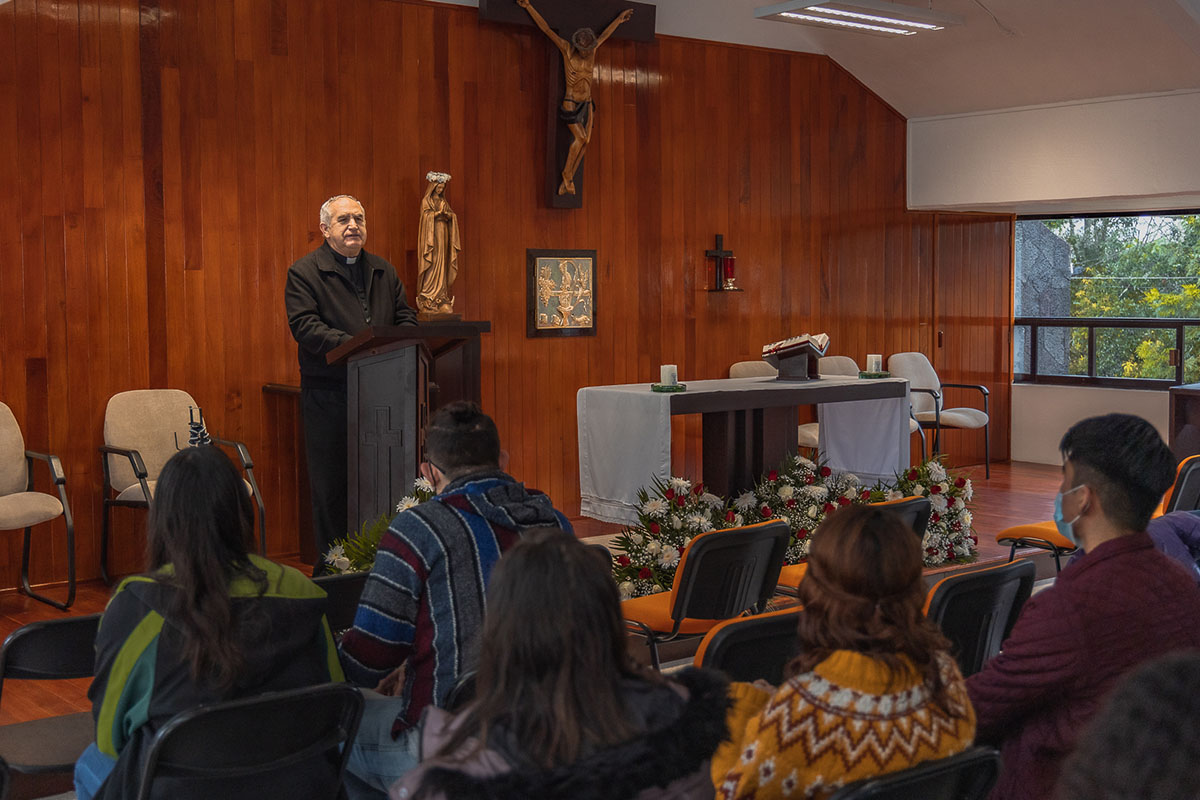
751,648
977,610
342,593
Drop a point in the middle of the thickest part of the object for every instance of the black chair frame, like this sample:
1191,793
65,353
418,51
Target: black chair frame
140,472
342,591
993,600
753,648
60,483
720,582
220,729
969,775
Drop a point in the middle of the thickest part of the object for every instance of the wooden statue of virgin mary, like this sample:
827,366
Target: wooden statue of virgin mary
437,249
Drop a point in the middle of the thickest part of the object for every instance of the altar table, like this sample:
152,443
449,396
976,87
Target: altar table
749,427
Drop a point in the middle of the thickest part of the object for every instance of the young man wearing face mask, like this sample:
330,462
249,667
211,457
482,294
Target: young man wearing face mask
1119,605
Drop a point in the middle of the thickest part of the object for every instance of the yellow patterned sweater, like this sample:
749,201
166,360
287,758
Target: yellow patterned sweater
846,720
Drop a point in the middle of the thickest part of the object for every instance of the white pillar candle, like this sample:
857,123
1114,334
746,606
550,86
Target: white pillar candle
874,362
669,375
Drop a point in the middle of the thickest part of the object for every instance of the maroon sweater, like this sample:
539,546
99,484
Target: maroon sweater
1120,605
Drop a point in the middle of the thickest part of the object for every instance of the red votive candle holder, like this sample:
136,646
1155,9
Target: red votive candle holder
729,265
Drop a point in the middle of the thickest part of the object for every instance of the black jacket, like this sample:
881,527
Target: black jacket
325,307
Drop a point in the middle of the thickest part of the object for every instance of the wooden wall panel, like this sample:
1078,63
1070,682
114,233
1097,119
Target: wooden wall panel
163,162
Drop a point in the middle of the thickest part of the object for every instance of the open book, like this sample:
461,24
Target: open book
818,341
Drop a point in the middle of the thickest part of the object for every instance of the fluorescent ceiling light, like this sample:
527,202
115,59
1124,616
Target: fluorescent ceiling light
865,16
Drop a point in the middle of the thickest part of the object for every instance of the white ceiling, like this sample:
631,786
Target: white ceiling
1034,52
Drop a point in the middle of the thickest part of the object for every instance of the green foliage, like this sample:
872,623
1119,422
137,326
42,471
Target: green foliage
1134,267
356,553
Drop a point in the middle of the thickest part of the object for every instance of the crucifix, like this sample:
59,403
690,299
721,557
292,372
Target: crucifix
722,257
572,25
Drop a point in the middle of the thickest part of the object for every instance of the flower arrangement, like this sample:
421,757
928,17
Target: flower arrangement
801,493
356,552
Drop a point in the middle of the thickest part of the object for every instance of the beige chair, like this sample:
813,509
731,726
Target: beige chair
809,433
142,429
22,507
926,394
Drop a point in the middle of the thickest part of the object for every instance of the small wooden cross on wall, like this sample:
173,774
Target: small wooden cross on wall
719,253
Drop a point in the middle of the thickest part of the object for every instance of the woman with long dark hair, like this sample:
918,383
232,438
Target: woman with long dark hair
874,689
560,710
209,621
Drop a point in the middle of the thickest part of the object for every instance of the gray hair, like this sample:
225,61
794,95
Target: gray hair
327,216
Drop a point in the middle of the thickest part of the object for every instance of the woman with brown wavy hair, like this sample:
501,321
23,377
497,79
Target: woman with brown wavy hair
874,689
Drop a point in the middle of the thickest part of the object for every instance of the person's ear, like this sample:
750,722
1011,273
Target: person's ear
429,472
503,460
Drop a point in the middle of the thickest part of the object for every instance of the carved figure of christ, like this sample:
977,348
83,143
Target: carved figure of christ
579,64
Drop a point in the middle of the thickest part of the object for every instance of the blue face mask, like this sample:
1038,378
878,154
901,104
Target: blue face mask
1066,529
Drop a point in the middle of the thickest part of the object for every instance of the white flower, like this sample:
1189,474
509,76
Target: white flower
636,538
938,503
945,487
341,562
335,552
816,492
407,503
626,589
653,546
738,520
968,490
937,472
655,507
801,461
812,512
675,521
745,501
669,557
711,500
422,485
894,494
965,519
786,492
680,485
851,478
655,589
696,521
437,177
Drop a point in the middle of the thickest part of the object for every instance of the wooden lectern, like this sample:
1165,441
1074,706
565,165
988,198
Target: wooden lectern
395,376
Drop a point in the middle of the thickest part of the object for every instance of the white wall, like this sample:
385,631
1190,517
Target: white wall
1042,414
1108,154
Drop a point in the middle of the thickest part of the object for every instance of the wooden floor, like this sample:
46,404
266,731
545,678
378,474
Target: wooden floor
1015,493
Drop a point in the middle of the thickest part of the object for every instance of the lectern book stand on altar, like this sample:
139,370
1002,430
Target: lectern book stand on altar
395,376
797,358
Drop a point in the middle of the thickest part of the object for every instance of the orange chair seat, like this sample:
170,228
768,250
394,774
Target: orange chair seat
654,611
1040,531
792,574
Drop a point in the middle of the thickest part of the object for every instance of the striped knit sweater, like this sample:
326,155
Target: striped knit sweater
422,604
844,721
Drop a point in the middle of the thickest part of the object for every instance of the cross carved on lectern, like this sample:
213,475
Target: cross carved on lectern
383,437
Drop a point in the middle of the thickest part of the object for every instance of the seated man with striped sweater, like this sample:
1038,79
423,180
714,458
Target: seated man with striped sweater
421,610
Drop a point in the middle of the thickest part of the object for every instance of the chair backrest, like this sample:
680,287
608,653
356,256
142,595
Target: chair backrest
837,365
278,744
1184,494
920,374
751,648
50,649
342,593
966,776
13,475
752,369
723,573
914,510
149,421
976,610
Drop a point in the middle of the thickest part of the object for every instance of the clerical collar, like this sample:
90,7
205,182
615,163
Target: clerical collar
344,260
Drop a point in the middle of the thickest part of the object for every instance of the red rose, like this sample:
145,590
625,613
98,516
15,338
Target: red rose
644,573
654,528
809,479
772,475
730,516
766,511
698,489
930,550
623,561
669,494
912,474
935,518
960,482
829,507
843,501
866,494
826,472
802,534
679,501
935,489
791,503
680,549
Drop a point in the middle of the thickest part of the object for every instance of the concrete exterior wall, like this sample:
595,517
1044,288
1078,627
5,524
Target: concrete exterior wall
1042,288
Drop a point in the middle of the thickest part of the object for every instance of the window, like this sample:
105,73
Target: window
1111,301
